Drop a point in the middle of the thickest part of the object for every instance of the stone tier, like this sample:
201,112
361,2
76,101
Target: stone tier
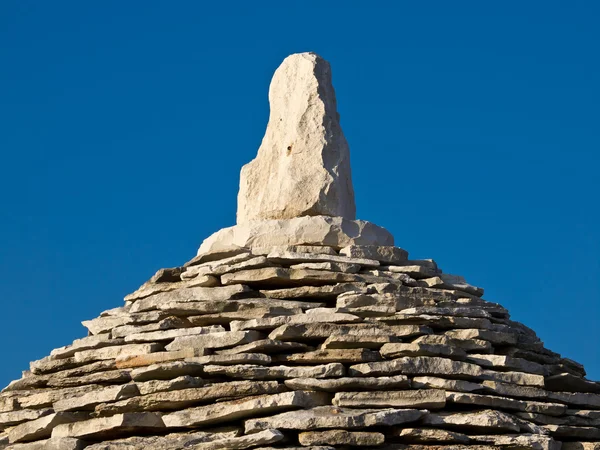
303,346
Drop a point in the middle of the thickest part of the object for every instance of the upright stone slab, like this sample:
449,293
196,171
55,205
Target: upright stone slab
303,164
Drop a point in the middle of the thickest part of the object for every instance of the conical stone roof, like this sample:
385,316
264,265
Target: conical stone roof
302,328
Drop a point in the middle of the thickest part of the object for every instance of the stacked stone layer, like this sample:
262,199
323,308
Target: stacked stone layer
303,347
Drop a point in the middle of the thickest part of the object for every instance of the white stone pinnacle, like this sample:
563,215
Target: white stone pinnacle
303,164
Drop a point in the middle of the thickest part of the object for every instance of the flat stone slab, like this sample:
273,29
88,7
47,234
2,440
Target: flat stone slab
243,442
277,372
420,398
214,340
185,398
480,421
385,254
191,294
334,232
172,441
41,428
348,383
328,417
110,427
240,409
419,365
342,437
489,401
430,436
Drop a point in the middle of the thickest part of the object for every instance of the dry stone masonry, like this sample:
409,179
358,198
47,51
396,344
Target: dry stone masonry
302,328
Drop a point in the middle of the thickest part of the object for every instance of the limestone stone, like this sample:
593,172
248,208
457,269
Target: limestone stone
544,419
214,340
576,399
183,382
150,288
225,318
91,399
494,337
318,249
317,292
106,377
470,345
449,385
244,408
555,409
430,435
437,322
340,341
172,441
480,421
386,254
348,383
303,164
269,323
458,311
454,282
41,428
86,343
46,397
566,382
167,371
112,426
414,271
330,266
420,398
342,437
514,390
267,346
420,365
225,255
353,355
11,418
334,232
51,444
188,295
198,313
300,332
289,258
123,362
184,398
520,378
567,432
115,352
280,277
242,442
507,363
529,441
168,323
332,417
166,335
8,403
104,324
396,350
277,372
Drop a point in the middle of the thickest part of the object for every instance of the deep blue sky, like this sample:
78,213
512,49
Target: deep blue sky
473,129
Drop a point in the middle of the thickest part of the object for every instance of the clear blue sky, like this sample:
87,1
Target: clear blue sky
473,128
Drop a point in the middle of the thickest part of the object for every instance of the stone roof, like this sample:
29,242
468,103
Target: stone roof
309,332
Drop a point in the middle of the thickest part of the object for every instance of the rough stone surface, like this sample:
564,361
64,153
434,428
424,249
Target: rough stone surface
303,164
342,437
302,328
240,409
325,417
307,230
